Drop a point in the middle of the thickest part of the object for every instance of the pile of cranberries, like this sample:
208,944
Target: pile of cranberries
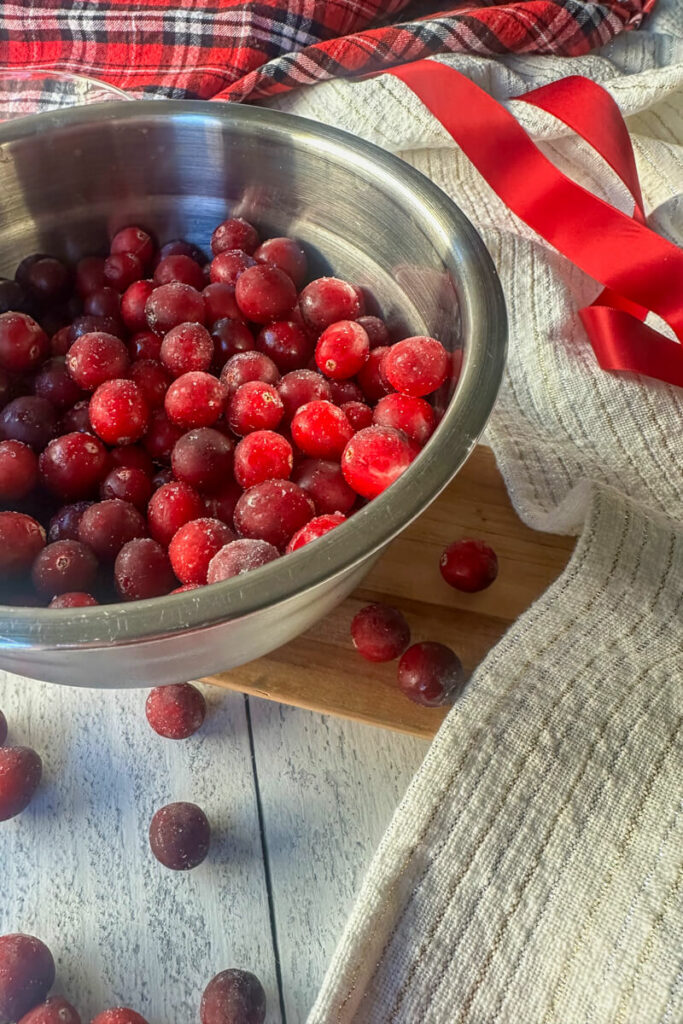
168,421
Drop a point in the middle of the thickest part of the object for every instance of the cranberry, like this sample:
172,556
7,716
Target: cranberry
107,525
23,343
27,969
234,233
230,337
185,587
60,342
376,330
194,545
238,557
13,298
133,303
469,565
324,482
299,387
18,470
95,358
119,1015
248,366
342,349
314,529
95,325
203,459
430,674
104,302
358,414
254,406
380,632
327,300
194,400
175,712
47,279
144,345
64,566
64,523
287,255
416,366
76,419
142,570
161,436
228,265
264,294
132,457
89,275
273,510
233,997
121,269
286,343
73,465
186,347
219,302
55,1010
170,507
321,430
3,729
55,383
21,540
174,304
74,599
119,412
179,836
133,239
262,455
161,477
152,380
29,419
179,268
375,458
414,416
129,485
371,378
344,391
221,505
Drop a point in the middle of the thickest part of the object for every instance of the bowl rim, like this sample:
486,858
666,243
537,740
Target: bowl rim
373,526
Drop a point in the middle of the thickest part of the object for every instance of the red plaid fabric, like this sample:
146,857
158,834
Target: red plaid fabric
240,50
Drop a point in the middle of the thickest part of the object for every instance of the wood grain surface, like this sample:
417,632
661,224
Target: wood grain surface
321,671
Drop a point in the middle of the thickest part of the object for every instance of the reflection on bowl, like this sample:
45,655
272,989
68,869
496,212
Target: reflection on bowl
39,89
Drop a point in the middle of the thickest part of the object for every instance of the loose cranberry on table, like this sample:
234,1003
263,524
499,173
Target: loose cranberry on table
132,305
227,267
54,383
195,399
24,345
370,378
431,674
173,505
175,712
179,268
287,344
186,347
179,836
375,457
327,300
244,367
230,338
273,510
174,304
358,414
142,570
239,557
324,482
27,973
18,470
469,565
107,525
219,302
264,294
286,254
22,538
414,416
133,239
3,729
233,997
203,458
342,350
416,366
76,599
96,358
119,1015
380,632
194,545
29,419
234,233
64,566
254,406
298,387
73,465
321,430
129,484
20,772
262,455
161,436
314,529
55,1010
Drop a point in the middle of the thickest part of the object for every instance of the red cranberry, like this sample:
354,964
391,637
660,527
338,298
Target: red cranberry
27,970
316,528
161,436
376,330
380,632
132,457
248,366
142,570
321,430
203,459
230,337
107,525
371,378
133,239
262,455
342,349
273,510
18,470
170,507
133,303
21,540
129,485
55,1010
344,391
375,458
29,419
119,412
416,366
286,343
221,505
152,380
55,383
179,836
227,266
299,387
96,358
430,674
173,304
194,545
254,406
64,523
234,233
327,300
414,416
264,294
121,269
238,557
104,302
324,482
185,587
76,419
286,254
23,343
175,712
144,345
233,997
47,279
119,1015
469,565
179,268
3,729
219,302
186,347
73,465
64,566
358,414
75,599
195,400
95,325
89,275
60,342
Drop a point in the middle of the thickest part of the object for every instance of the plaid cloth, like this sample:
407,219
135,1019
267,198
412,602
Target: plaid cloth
236,50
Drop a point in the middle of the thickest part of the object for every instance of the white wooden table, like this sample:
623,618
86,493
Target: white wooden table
298,802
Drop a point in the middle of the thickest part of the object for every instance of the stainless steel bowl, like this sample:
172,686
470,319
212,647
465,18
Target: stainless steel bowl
69,179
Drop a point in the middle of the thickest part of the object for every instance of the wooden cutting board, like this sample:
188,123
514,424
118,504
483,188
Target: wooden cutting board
321,670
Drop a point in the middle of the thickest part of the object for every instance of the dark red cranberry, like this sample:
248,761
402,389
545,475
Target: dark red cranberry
132,456
375,457
175,712
29,419
264,294
221,504
65,522
248,366
273,510
47,279
238,557
195,400
3,729
12,297
20,773
179,268
64,566
233,997
21,540
194,545
315,529
129,484
28,971
286,343
344,391
54,1010
142,570
324,482
234,233
174,304
76,419
371,379
75,599
321,430
327,300
95,325
133,303
73,466
179,836
186,347
55,383
60,342
286,254
414,416
170,507
24,345
431,674
230,337
133,239
18,470
104,302
161,436
299,387
119,1015
180,247
254,406
342,350
469,565
203,458
376,330
22,271
89,275
380,632
119,412
219,302
144,345
416,366
227,266
95,358
107,525
262,455
121,269
152,380
358,414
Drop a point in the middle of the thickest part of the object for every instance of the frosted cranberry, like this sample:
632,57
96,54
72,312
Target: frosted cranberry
321,430
28,419
170,507
430,674
358,414
3,729
414,416
469,565
95,325
27,970
228,266
344,391
175,712
219,302
186,347
152,380
96,358
254,406
64,566
193,547
73,465
273,510
64,523
74,599
142,570
299,387
264,294
55,383
174,304
161,436
18,470
327,300
286,343
131,456
342,349
107,525
60,342
144,345
129,485
416,366
23,343
371,378
202,458
119,1015
89,276
133,239
21,540
119,412
181,247
221,505
194,400
248,366
230,337
324,482
55,1010
375,458
233,997
121,269
239,557
104,302
287,255
133,303
262,455
380,632
316,528
234,233
179,836
376,330
179,268
76,419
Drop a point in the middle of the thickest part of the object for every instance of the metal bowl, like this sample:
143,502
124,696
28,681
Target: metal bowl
69,179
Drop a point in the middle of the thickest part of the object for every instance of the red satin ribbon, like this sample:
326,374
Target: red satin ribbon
639,269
